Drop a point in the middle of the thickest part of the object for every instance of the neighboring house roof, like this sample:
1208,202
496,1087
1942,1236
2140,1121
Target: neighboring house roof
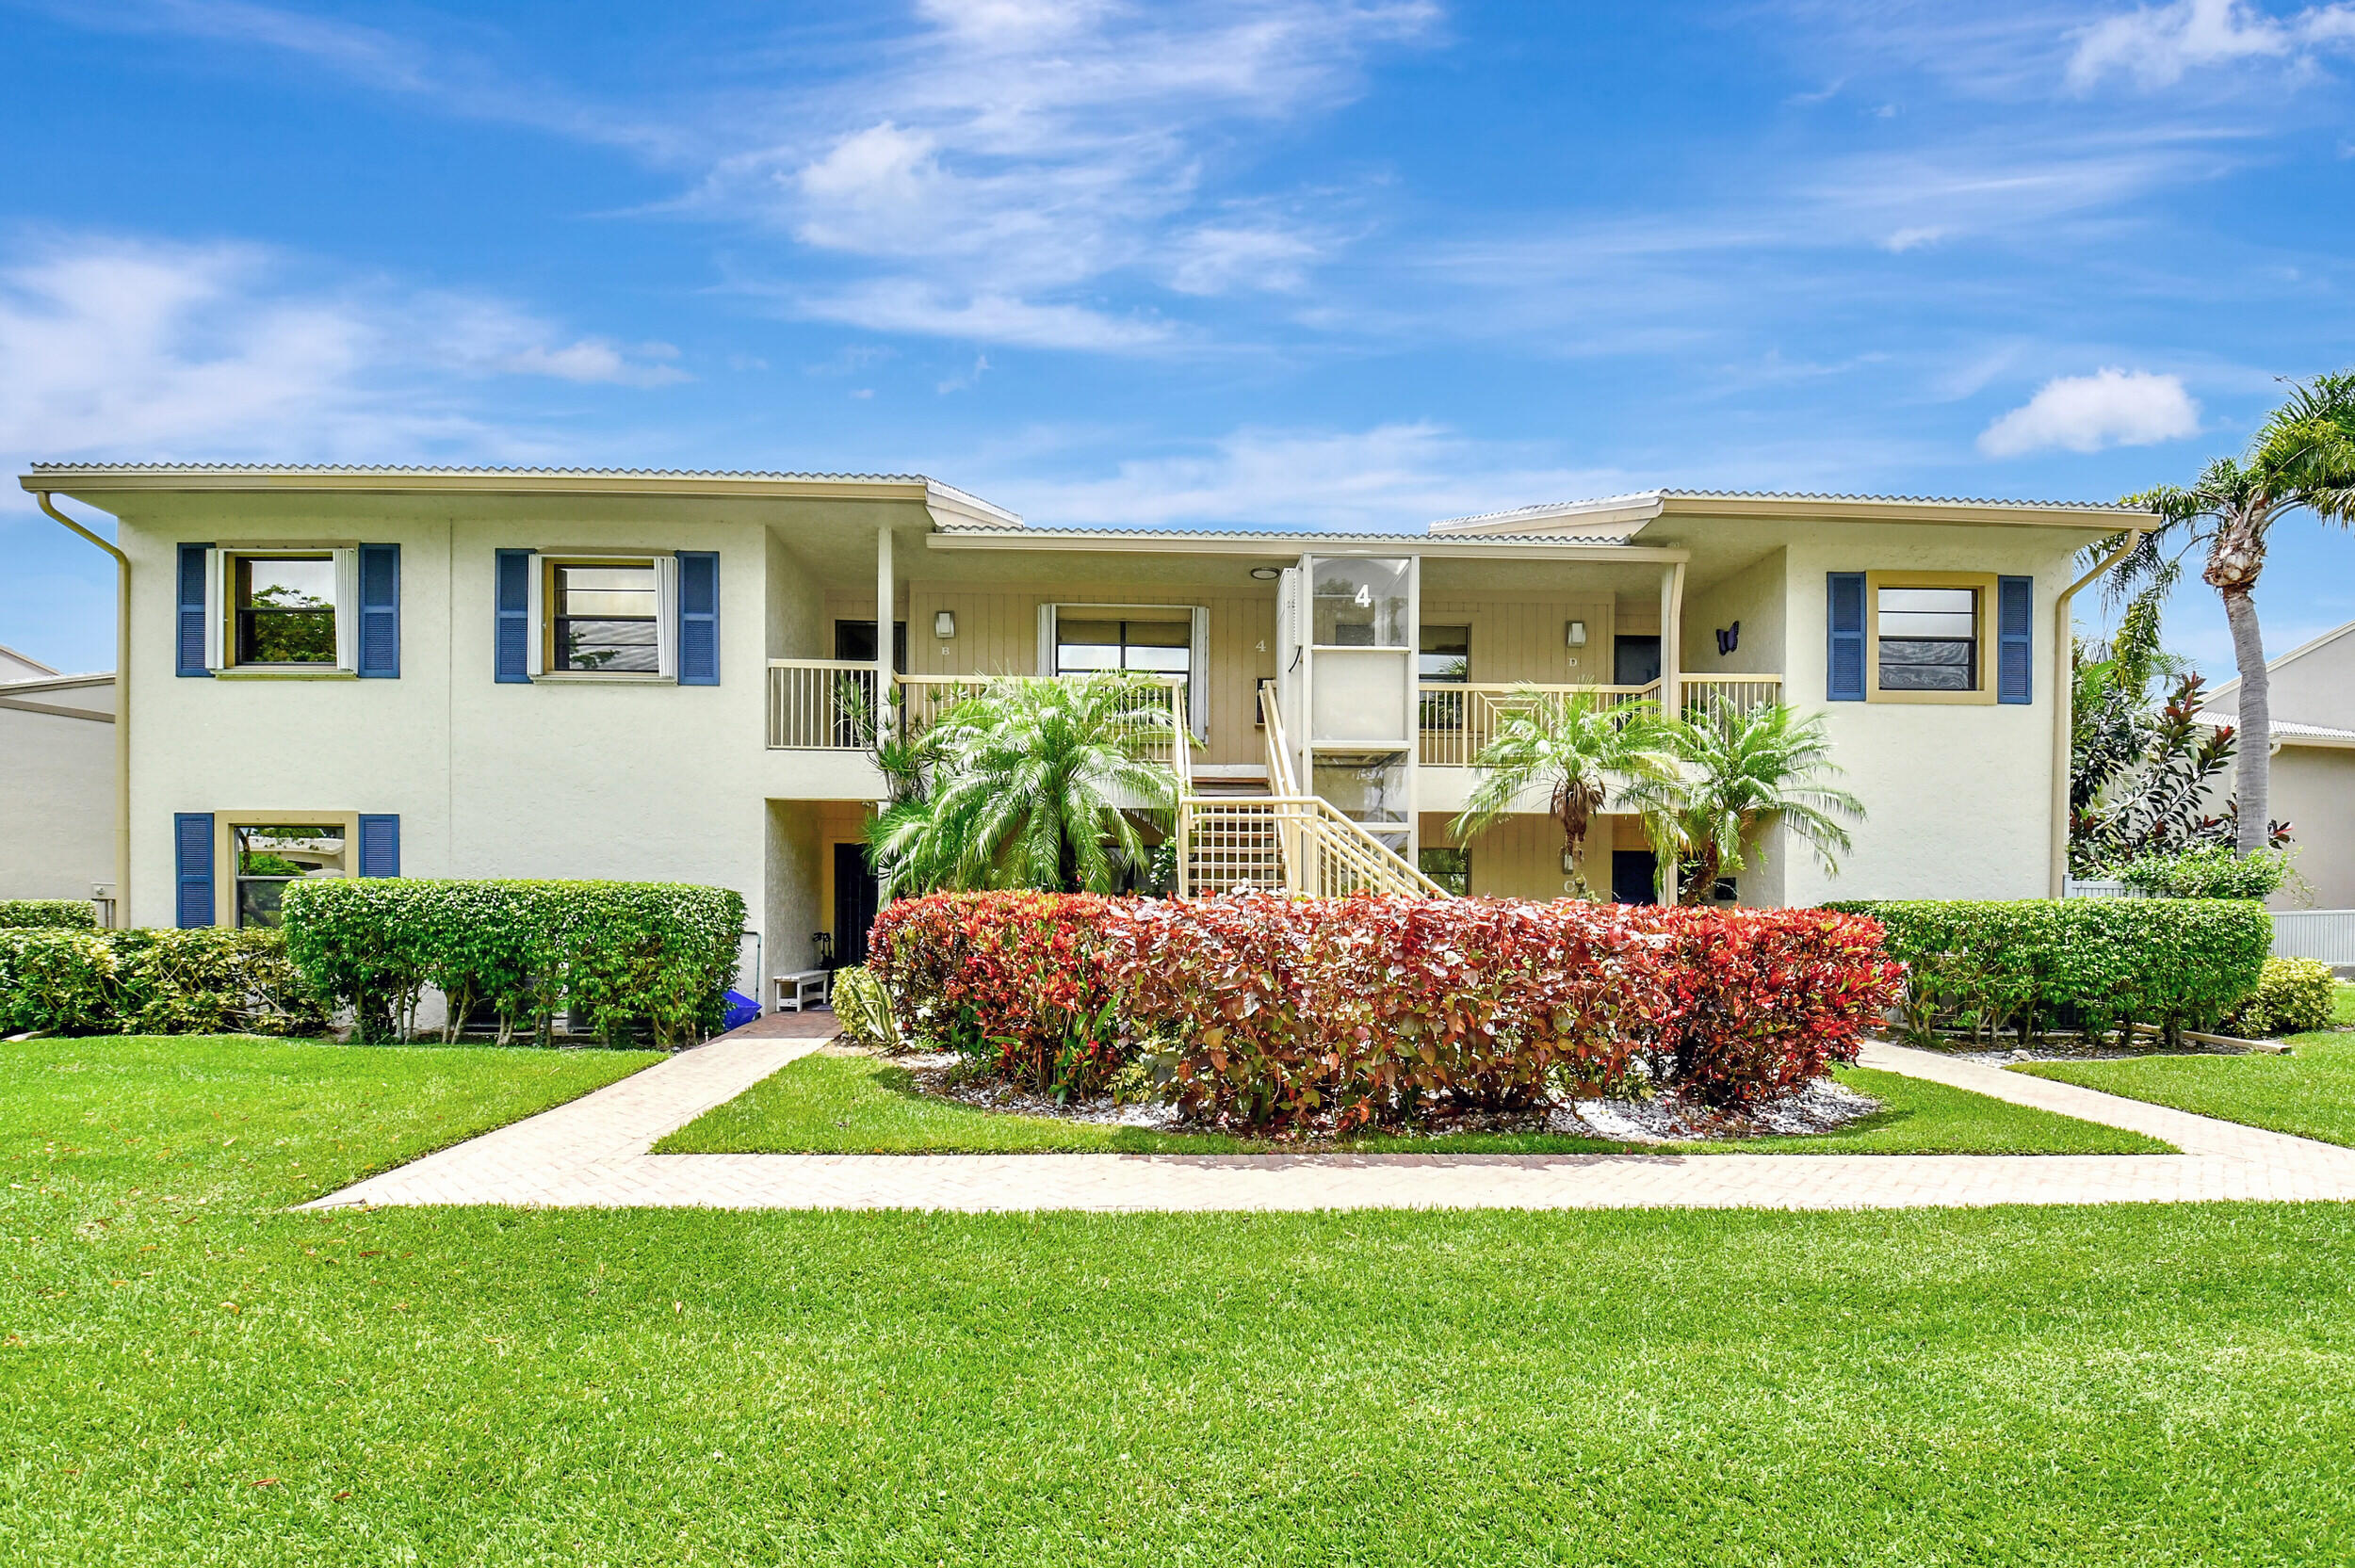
21,667
58,695
2230,690
2284,732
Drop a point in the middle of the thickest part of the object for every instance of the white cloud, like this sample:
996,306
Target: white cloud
1391,478
116,347
2157,46
913,305
1018,151
2085,413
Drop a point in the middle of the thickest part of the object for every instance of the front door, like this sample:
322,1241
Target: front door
1634,660
853,904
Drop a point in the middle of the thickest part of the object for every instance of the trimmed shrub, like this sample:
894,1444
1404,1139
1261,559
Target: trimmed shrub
2097,965
863,1007
57,981
1763,1000
619,956
2293,996
1269,1011
2208,871
1023,981
201,981
1285,1012
68,914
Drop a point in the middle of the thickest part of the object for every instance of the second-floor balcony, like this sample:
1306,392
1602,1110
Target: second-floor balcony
1455,720
831,705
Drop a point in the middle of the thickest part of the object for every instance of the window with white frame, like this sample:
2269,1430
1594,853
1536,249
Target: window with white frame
1170,641
606,616
282,610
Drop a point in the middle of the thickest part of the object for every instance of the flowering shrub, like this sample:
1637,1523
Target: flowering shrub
1269,1011
1023,980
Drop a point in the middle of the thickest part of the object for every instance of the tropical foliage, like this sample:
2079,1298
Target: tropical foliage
2209,871
1578,748
1739,773
2302,457
1034,783
1262,1011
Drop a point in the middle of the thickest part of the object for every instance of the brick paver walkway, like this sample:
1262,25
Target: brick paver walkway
593,1152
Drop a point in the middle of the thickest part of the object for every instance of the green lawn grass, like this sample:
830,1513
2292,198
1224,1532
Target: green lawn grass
824,1103
2310,1092
231,1382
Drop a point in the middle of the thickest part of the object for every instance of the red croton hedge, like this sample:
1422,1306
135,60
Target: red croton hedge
1267,1012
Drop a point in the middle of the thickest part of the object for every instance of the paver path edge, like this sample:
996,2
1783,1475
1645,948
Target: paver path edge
593,1152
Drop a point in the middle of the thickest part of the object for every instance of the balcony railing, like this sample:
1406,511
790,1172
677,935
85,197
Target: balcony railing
829,705
821,705
1457,720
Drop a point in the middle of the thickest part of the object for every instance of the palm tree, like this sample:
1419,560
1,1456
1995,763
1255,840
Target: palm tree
2302,455
1035,783
1741,773
1576,746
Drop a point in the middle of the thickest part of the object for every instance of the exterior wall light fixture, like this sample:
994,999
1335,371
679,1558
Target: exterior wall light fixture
944,624
1576,634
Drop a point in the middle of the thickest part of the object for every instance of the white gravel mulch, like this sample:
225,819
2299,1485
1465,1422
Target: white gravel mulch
1824,1105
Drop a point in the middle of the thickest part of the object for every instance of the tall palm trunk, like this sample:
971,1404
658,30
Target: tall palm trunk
2234,561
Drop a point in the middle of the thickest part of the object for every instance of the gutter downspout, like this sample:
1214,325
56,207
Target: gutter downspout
2064,696
123,709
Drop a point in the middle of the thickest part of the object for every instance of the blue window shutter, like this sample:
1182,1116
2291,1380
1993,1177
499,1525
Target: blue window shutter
191,637
380,612
2015,639
698,618
512,642
192,862
1844,661
379,846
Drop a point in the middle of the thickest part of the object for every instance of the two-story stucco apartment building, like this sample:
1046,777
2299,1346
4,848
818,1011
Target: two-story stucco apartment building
534,674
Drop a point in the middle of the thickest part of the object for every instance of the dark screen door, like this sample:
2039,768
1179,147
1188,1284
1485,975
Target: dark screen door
1634,660
1632,872
853,904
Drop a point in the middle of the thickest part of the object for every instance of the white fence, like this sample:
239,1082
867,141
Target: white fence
2073,888
2327,934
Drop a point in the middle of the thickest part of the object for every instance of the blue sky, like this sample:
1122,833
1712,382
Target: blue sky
1297,261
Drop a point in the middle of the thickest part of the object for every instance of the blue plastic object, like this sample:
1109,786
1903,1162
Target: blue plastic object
743,1010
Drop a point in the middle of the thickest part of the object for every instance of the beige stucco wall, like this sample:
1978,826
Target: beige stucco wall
2314,791
57,803
594,779
1957,796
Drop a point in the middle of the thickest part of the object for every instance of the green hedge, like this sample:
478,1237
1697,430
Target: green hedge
2098,964
624,956
2208,871
2293,997
203,981
70,914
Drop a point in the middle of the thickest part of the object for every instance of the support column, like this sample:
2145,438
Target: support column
885,603
1671,676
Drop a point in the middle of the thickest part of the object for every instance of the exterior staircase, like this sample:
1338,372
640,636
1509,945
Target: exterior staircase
1235,833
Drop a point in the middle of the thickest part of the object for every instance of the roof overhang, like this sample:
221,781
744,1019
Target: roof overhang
1278,547
1646,506
949,506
